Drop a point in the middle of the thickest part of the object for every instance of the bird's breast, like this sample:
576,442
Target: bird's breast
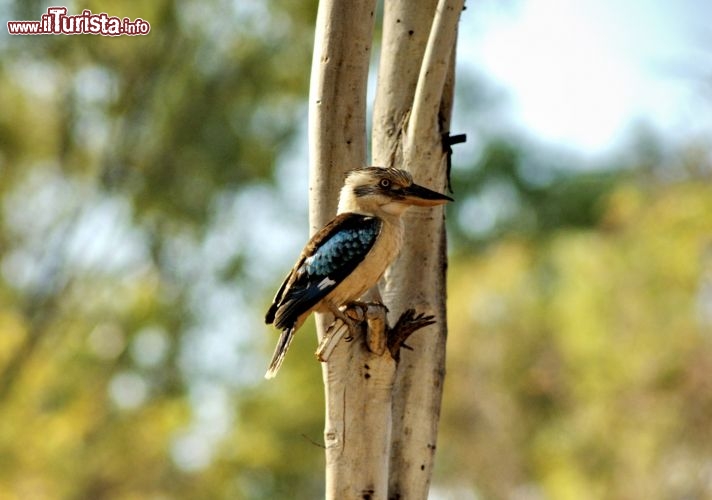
374,264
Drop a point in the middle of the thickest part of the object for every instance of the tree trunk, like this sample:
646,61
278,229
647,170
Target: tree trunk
364,398
411,116
357,426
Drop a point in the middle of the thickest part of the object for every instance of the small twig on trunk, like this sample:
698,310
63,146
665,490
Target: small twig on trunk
408,323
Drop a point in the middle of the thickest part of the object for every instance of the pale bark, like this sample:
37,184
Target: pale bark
411,115
358,383
364,397
337,101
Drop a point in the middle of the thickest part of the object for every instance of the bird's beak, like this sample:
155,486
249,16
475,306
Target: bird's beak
424,197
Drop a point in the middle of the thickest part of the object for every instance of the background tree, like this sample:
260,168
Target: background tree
127,164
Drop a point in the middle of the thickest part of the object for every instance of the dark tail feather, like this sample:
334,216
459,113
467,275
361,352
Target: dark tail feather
278,357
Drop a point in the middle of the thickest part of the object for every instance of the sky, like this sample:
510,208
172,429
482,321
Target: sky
582,74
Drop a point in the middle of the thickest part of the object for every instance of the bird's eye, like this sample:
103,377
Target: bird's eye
385,183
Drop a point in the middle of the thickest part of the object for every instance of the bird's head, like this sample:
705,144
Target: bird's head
376,190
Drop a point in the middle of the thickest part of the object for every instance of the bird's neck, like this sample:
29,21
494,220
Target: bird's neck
350,203
347,201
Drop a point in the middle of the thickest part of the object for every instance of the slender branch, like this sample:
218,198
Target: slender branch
406,27
407,325
433,73
358,383
409,123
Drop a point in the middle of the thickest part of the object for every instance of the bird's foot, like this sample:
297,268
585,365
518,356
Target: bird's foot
374,313
379,336
350,322
354,314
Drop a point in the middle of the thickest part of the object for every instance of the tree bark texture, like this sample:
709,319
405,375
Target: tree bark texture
411,116
357,423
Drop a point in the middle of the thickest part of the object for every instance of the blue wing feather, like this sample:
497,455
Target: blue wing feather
329,257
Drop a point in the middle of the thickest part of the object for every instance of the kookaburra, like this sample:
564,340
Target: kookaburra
350,254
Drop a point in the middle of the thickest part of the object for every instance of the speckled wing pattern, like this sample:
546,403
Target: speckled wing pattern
329,257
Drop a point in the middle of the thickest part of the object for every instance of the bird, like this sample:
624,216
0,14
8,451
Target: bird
350,254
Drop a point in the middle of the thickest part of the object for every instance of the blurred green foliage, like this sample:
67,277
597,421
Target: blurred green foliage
120,159
147,209
578,364
517,188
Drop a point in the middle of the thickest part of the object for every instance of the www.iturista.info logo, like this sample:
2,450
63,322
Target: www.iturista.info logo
57,22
